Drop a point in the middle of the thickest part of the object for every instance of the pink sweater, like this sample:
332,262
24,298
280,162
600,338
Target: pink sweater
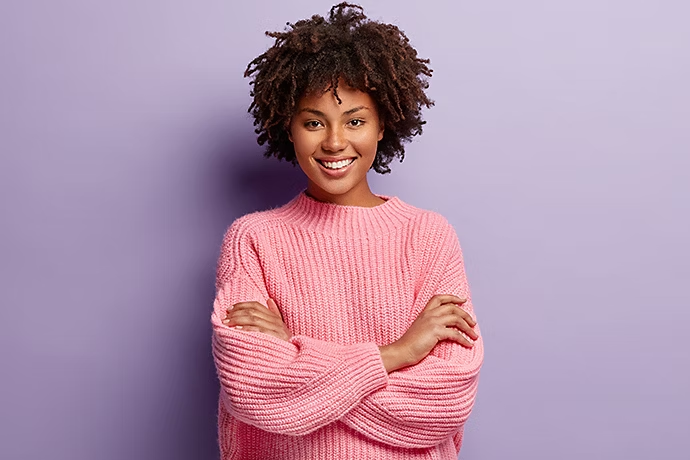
346,279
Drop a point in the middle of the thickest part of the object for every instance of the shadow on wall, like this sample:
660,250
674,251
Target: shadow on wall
236,179
245,181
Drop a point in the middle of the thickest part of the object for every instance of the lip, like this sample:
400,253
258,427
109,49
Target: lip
337,173
331,159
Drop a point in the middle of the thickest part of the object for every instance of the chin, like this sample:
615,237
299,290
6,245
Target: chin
335,190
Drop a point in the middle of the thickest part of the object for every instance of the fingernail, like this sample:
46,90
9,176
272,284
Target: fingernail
238,327
226,321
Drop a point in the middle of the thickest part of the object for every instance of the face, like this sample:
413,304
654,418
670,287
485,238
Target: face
336,144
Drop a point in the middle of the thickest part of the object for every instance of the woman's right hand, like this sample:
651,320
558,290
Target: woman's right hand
441,319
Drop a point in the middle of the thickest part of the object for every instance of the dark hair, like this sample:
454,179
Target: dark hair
312,54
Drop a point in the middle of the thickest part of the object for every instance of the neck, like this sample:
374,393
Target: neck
361,196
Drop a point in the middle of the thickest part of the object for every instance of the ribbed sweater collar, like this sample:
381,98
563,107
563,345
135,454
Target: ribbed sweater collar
307,213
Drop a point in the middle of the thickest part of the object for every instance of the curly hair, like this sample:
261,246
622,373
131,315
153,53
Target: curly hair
313,54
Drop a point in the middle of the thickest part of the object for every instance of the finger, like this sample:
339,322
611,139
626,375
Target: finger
467,317
457,336
467,329
449,298
452,308
460,322
245,305
245,321
244,310
253,315
249,328
272,306
251,309
452,316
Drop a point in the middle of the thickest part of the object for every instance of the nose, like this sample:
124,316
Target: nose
335,140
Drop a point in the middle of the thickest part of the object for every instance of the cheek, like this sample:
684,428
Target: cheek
294,135
303,142
367,140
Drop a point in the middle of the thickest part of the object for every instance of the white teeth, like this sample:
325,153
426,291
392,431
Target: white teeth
337,164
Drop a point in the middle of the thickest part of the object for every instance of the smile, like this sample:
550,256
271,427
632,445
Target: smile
337,168
336,164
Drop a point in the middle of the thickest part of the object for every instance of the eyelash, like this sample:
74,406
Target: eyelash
311,123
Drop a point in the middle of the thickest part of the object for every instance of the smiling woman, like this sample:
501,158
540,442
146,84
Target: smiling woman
318,54
335,144
343,326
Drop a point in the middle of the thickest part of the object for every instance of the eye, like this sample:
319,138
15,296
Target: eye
312,124
356,122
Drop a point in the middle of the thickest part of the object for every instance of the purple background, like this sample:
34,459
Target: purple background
559,149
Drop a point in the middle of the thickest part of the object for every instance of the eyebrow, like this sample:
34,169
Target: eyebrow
318,113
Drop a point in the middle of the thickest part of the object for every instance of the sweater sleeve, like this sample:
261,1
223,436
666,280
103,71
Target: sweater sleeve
424,404
282,387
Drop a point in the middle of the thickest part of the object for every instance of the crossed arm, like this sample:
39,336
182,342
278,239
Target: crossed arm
297,384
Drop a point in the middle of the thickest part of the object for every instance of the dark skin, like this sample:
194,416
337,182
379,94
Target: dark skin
254,316
441,319
346,50
313,54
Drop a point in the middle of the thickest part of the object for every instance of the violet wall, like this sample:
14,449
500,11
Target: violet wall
559,148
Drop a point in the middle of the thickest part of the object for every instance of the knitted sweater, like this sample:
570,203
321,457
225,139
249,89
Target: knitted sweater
347,279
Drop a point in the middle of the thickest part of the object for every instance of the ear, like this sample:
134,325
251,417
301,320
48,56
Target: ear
381,130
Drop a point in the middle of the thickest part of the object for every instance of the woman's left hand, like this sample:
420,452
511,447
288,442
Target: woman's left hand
254,316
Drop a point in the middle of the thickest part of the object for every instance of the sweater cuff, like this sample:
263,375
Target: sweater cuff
366,368
361,368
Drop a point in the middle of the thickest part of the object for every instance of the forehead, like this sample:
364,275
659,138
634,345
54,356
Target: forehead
349,96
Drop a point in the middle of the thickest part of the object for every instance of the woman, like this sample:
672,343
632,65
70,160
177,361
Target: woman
343,326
